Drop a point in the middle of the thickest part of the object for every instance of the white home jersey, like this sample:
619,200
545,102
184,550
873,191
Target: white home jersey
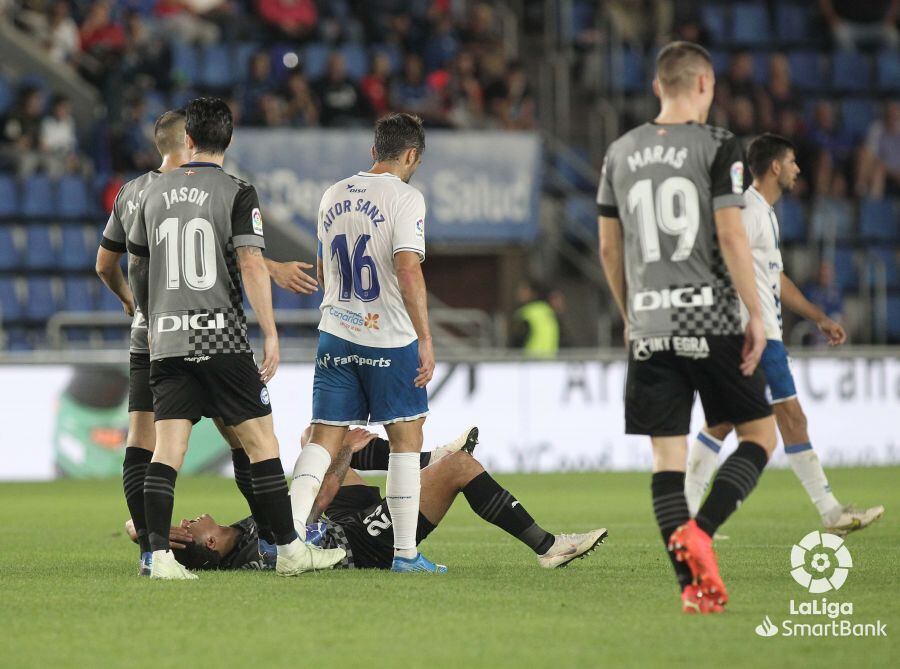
765,242
363,222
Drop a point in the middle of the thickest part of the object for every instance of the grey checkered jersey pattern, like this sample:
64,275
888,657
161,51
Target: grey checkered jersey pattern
335,537
117,229
675,293
188,321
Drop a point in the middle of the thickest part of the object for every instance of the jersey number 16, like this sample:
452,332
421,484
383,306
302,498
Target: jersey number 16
359,275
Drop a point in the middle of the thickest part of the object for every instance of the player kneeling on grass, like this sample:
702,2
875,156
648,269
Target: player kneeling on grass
356,516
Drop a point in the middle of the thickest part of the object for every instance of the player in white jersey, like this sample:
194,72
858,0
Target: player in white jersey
773,165
375,355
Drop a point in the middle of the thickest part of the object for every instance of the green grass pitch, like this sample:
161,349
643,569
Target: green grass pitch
70,597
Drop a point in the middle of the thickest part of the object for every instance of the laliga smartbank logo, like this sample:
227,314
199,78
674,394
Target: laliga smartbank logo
820,563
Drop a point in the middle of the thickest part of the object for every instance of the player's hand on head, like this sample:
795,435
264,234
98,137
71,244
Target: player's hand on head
426,363
291,276
833,331
754,345
271,357
179,536
358,438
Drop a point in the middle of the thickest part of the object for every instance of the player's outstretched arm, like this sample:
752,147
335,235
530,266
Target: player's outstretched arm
408,265
258,287
290,276
735,248
794,299
110,273
612,257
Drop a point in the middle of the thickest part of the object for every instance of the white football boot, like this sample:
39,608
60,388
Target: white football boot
853,519
467,442
568,547
298,557
167,568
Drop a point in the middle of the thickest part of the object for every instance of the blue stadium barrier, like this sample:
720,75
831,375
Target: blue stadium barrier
888,77
39,250
41,302
38,197
10,305
9,196
73,198
77,252
9,254
850,71
750,24
17,340
78,294
878,220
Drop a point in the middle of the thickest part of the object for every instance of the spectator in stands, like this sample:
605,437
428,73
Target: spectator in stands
101,37
482,33
376,85
61,38
59,142
183,20
742,119
302,110
520,110
272,111
868,22
825,294
641,23
342,103
879,165
132,142
535,327
835,146
259,81
146,54
832,213
294,19
462,98
22,132
738,83
780,91
410,93
443,43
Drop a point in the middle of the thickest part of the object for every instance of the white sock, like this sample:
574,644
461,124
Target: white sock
309,470
403,501
703,459
807,467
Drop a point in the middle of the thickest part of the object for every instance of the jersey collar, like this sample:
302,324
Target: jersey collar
380,174
202,165
761,198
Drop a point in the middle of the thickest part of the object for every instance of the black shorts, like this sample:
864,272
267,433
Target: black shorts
225,385
665,372
363,516
140,397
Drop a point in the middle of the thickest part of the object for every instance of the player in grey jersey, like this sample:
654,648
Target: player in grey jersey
197,238
169,139
674,250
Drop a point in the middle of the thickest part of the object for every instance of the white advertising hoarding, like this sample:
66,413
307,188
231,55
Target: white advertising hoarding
537,416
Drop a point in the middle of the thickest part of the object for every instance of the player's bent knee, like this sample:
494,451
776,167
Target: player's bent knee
760,432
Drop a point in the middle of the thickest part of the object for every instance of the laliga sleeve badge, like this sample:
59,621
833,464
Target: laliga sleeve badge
257,221
737,177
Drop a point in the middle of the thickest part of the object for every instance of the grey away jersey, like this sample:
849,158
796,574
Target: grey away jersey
115,238
190,222
664,182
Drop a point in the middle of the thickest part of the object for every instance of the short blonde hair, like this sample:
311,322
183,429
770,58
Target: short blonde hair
679,63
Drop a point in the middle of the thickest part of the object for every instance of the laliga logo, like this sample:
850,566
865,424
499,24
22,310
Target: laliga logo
820,562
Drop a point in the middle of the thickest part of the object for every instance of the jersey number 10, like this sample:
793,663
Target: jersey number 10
198,253
662,214
359,275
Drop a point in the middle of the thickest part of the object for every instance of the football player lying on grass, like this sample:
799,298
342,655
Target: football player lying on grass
356,516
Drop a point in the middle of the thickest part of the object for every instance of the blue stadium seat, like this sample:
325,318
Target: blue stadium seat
39,249
9,254
107,301
357,60
750,24
218,67
791,219
185,62
883,256
807,71
9,196
714,19
888,71
857,114
394,54
720,61
878,220
10,305
315,60
627,71
833,216
78,294
38,197
850,71
243,53
846,275
893,318
78,252
761,68
41,302
180,97
7,95
17,340
792,23
74,198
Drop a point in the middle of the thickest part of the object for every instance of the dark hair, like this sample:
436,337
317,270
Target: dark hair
763,150
209,124
676,64
395,133
167,131
194,556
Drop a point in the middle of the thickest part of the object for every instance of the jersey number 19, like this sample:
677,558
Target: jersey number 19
674,192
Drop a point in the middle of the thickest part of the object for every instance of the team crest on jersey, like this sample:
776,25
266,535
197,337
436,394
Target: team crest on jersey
420,228
371,321
189,172
737,177
264,396
257,221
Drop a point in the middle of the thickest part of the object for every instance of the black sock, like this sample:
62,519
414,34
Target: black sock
245,484
159,498
497,506
671,510
134,469
734,481
271,492
374,457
